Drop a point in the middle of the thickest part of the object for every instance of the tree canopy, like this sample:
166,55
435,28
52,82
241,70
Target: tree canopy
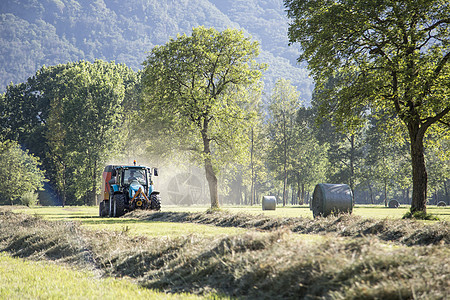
380,58
71,116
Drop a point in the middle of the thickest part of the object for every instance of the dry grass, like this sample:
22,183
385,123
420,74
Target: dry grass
267,264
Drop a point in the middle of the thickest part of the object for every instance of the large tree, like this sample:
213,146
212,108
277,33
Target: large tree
283,108
197,93
310,162
84,124
385,57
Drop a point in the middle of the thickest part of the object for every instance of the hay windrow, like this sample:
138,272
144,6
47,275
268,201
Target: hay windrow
406,232
275,264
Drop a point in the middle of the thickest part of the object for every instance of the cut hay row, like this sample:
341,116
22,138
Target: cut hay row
407,232
254,265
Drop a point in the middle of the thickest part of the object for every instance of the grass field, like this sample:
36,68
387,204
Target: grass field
236,252
24,279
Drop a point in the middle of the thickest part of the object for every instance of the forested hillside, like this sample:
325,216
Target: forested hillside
49,32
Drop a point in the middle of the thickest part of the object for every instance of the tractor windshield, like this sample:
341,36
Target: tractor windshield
134,175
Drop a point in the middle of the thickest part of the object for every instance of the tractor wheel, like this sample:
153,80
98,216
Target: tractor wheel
155,202
119,205
102,209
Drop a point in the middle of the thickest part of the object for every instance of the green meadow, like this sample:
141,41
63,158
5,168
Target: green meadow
186,252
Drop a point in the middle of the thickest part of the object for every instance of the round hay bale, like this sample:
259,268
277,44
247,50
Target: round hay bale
269,203
331,199
441,203
393,204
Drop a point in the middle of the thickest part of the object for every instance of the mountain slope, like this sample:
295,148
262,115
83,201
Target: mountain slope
48,32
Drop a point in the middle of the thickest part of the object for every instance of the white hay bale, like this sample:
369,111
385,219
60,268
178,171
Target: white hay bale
269,203
331,198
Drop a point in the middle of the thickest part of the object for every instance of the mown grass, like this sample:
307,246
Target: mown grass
25,279
366,211
272,263
88,216
407,232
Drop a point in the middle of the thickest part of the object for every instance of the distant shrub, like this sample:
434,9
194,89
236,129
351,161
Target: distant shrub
420,215
29,199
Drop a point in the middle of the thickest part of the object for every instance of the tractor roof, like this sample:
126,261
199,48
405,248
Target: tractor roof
133,167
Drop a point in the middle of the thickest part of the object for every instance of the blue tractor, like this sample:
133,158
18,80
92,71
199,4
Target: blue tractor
126,188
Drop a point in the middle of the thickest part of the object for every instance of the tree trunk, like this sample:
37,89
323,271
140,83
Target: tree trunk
285,159
284,186
94,183
209,170
303,194
252,189
419,172
352,162
255,194
371,193
212,183
447,200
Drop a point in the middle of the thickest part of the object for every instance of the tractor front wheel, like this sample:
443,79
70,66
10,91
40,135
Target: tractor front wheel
155,202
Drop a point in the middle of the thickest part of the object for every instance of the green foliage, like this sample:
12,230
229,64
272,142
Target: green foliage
294,154
91,97
71,116
29,199
20,173
311,160
386,160
282,130
200,91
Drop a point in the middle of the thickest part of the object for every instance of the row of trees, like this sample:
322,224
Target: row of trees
202,94
71,116
293,149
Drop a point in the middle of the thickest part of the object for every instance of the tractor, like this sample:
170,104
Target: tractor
126,188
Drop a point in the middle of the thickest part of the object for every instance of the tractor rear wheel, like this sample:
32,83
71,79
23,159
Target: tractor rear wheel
111,207
155,202
102,209
119,205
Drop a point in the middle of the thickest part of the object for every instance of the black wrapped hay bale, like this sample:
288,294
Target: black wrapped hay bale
393,204
269,203
441,203
331,198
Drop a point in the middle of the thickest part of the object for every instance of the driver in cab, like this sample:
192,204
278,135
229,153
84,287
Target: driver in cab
134,176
